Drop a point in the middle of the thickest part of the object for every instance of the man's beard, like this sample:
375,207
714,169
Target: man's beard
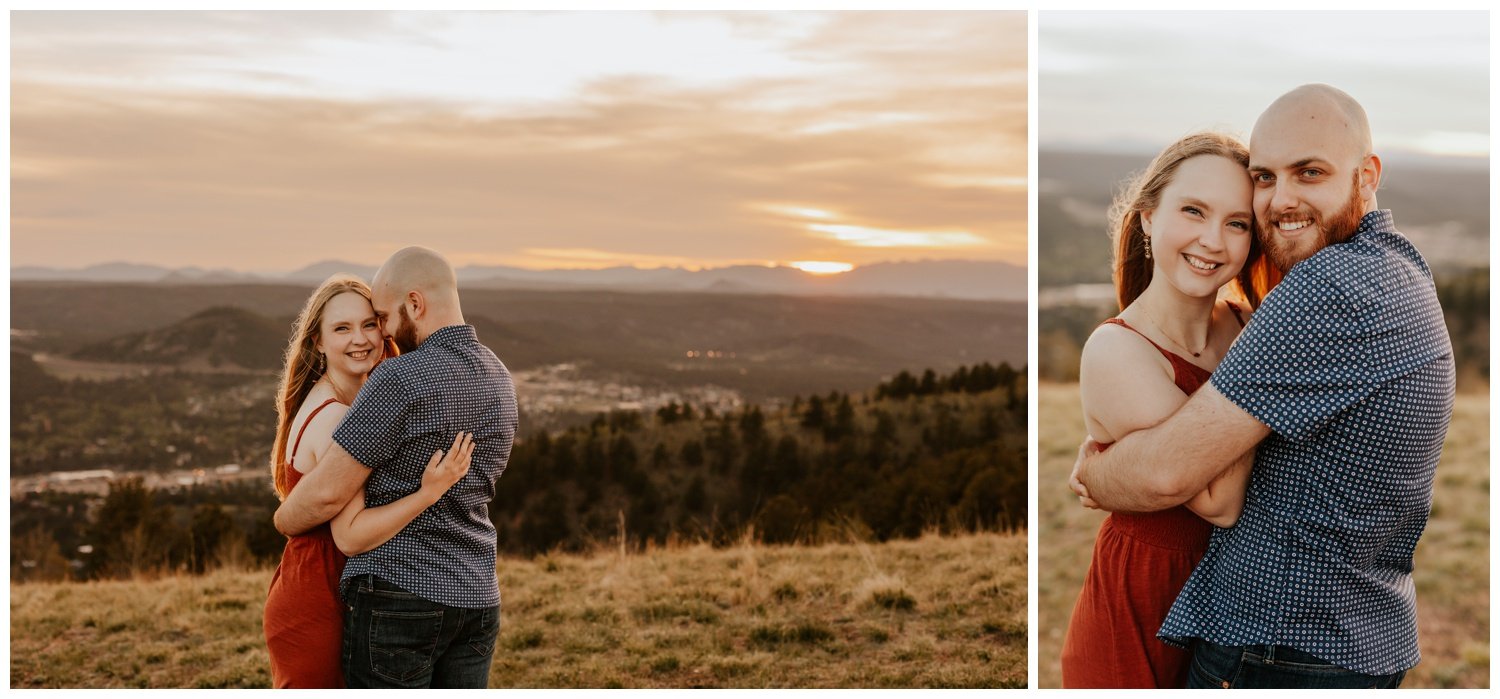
1338,229
406,335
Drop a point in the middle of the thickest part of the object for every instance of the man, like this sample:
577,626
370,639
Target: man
1348,368
424,606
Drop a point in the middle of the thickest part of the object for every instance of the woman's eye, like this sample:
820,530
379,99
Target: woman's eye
1192,210
1242,225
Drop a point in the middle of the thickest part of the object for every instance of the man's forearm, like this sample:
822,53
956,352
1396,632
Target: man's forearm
1132,477
1166,465
321,494
297,514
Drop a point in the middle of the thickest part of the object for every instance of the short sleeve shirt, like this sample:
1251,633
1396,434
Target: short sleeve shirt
1348,362
410,407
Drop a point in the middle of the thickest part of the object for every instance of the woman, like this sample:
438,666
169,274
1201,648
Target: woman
336,342
1182,231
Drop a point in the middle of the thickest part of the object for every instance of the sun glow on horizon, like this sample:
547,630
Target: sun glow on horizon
865,237
822,268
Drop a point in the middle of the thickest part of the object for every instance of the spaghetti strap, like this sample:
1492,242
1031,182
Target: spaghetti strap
1123,324
308,421
1237,315
1187,375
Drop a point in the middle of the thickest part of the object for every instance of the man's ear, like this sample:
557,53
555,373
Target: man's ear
1369,177
417,302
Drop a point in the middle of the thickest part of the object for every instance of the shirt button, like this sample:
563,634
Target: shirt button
1224,685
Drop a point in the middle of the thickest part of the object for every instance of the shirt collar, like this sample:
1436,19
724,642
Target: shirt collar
1376,221
451,335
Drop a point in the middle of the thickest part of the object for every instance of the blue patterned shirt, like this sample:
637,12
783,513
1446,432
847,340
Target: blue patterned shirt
412,406
1348,362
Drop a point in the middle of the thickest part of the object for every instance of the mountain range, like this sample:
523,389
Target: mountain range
956,279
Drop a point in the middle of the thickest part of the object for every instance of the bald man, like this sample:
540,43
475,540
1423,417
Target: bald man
1346,373
423,608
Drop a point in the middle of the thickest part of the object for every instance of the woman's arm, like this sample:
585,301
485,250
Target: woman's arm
1221,502
357,529
1125,383
1126,387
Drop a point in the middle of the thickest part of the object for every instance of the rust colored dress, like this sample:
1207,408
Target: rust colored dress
1141,561
304,619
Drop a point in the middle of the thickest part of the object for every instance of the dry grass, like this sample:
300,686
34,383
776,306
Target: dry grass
933,612
1452,561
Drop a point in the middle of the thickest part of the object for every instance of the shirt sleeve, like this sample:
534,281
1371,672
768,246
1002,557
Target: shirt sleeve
1302,359
374,427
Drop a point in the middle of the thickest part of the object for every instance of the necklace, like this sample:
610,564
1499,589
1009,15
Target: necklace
1173,340
340,394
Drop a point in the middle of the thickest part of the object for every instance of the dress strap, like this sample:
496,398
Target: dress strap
1187,375
1236,308
1123,324
307,422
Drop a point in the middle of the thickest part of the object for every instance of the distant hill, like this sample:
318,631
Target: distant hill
219,337
315,273
959,279
773,345
1441,204
112,272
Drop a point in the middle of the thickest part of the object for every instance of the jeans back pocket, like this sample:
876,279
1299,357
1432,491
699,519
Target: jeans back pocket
402,644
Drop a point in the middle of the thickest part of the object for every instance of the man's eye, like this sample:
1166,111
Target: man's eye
1265,177
1312,172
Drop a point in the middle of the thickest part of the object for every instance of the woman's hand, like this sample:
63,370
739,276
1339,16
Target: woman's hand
1085,450
443,470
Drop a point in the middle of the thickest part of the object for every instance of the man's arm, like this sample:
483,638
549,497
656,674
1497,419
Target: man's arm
1166,465
323,493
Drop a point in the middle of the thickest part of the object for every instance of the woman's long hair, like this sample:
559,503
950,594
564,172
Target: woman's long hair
300,368
1132,269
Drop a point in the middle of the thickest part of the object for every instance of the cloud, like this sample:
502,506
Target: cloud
1143,79
641,166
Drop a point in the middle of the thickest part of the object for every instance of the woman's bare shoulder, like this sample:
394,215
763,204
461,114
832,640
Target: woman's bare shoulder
318,435
1112,348
1125,383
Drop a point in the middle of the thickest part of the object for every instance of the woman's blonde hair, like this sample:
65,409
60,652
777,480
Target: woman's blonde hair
1132,269
301,367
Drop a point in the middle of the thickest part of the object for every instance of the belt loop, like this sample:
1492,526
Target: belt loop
1270,654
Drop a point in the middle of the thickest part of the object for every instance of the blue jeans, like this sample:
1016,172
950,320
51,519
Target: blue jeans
1274,667
393,638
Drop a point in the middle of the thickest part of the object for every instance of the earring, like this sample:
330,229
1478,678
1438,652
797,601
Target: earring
1148,247
322,363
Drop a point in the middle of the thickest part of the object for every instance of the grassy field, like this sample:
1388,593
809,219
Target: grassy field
1452,562
931,612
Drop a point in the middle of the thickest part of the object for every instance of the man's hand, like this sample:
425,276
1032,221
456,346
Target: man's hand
1085,450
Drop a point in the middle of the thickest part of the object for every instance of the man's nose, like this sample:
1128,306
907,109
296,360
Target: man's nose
1283,197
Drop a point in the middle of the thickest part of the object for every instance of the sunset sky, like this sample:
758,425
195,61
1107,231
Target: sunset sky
1139,80
269,141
